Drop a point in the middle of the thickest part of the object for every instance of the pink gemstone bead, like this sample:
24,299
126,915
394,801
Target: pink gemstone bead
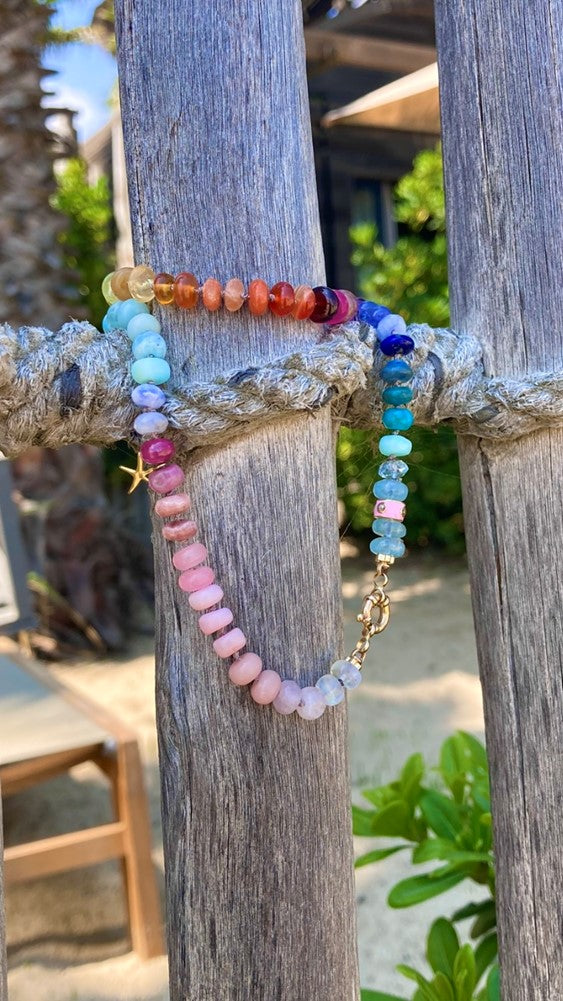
266,687
288,698
165,480
390,509
347,307
245,669
213,621
157,450
229,644
194,580
312,704
179,531
190,556
166,507
206,598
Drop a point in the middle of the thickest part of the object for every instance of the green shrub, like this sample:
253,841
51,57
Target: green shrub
447,821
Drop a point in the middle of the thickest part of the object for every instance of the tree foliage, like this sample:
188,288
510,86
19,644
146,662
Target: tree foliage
411,279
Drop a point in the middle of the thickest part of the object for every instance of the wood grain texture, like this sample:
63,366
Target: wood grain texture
255,807
502,124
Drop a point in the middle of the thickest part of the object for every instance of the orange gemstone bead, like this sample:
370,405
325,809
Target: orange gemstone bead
120,283
282,299
258,297
164,288
233,294
304,302
186,288
212,294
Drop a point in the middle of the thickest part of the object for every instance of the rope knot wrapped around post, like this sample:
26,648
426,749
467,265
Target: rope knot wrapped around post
74,386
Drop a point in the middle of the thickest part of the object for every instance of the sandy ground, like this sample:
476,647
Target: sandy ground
67,939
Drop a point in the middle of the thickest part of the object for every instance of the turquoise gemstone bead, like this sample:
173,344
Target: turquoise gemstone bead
397,419
127,310
385,546
141,324
393,468
388,527
395,444
110,319
155,370
396,395
397,370
390,490
149,345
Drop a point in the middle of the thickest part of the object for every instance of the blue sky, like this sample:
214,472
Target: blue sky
85,74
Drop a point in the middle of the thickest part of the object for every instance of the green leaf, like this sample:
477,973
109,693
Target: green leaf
441,814
378,855
443,988
418,888
464,973
475,750
393,820
424,987
367,995
484,921
410,779
470,910
446,851
493,985
485,954
362,821
442,947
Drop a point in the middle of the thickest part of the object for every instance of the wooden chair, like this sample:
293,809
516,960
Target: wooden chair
46,729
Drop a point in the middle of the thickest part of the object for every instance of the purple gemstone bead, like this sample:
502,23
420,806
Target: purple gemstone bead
397,344
150,423
288,698
312,703
149,396
326,304
347,307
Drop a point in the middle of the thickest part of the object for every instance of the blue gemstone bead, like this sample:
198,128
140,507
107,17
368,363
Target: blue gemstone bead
372,313
392,324
397,419
148,396
388,527
397,371
155,370
395,444
152,345
396,395
127,310
110,319
385,546
347,673
390,490
331,688
141,324
397,344
393,468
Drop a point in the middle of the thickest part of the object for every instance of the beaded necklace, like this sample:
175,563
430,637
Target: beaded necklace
128,292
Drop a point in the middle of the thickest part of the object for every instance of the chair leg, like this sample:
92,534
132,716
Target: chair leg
132,808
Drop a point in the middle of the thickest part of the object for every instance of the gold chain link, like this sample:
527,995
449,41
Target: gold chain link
375,613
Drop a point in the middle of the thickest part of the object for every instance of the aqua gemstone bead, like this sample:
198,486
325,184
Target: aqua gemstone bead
390,490
331,688
397,370
110,319
391,325
395,444
152,345
397,419
395,395
141,324
385,546
347,673
127,310
393,468
155,370
372,313
388,527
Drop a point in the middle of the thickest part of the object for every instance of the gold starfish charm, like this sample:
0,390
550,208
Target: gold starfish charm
139,475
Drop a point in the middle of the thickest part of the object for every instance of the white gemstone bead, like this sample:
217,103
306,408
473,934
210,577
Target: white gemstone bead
347,673
331,688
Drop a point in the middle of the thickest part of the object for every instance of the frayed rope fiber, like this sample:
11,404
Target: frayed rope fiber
75,386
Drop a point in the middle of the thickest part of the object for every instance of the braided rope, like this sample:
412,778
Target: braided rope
74,386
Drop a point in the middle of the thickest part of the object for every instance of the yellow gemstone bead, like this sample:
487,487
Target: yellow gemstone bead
141,283
107,291
164,288
119,283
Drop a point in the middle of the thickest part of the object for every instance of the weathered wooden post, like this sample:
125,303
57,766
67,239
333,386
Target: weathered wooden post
256,812
3,962
502,123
